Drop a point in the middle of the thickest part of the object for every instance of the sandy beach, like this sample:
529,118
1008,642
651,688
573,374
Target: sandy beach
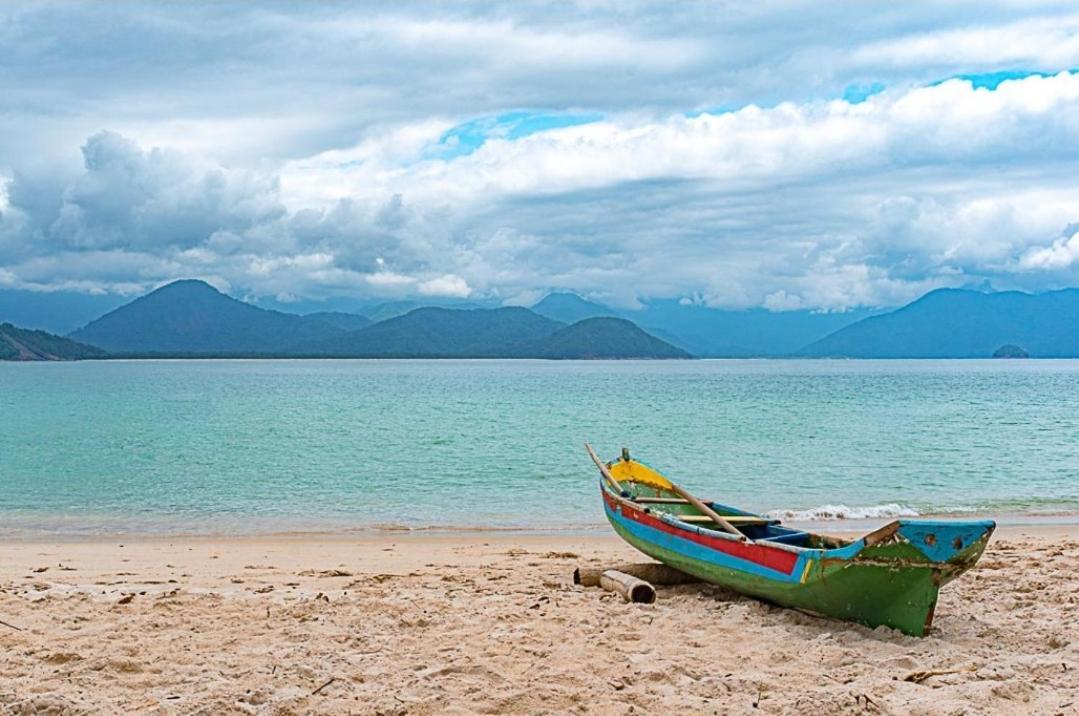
492,623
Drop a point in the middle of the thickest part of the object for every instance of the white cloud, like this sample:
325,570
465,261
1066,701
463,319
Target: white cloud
902,173
550,48
926,125
130,197
297,150
1062,254
448,285
1040,42
782,301
389,279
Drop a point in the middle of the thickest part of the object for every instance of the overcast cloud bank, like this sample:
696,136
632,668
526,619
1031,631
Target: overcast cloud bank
734,156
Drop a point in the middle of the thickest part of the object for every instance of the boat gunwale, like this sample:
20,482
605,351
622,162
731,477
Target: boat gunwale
845,552
673,521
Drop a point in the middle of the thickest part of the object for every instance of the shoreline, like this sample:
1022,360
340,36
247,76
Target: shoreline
602,536
1063,523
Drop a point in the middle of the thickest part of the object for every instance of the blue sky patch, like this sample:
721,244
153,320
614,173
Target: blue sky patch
992,80
858,93
469,136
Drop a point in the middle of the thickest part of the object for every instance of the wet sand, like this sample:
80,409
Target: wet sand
492,623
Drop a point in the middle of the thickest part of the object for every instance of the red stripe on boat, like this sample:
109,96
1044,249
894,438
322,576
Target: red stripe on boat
777,559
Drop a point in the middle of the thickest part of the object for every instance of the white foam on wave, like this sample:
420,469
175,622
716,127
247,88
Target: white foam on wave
843,512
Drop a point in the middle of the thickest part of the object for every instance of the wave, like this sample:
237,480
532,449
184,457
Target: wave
843,512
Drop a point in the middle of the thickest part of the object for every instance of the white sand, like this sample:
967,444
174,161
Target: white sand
492,624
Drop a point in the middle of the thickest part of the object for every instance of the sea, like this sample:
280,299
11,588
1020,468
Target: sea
266,446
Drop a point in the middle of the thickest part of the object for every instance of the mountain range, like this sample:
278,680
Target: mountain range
956,323
342,320
569,308
441,333
600,337
710,332
191,318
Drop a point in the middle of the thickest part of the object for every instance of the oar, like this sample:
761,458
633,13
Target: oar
705,509
716,517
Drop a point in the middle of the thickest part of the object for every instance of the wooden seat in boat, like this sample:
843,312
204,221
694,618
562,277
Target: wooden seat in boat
733,519
786,538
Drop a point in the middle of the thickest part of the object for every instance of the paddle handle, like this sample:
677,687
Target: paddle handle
603,470
705,509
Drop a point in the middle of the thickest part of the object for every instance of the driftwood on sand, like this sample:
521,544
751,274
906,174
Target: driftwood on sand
918,677
651,572
632,589
11,626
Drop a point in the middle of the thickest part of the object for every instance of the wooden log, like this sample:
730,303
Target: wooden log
632,589
651,572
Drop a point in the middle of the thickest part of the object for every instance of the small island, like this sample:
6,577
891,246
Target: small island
1010,350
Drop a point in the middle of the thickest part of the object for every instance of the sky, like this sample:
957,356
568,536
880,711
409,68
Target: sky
790,155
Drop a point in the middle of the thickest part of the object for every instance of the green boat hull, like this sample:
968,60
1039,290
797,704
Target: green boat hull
890,577
902,597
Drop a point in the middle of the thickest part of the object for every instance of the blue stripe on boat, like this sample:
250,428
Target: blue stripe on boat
703,553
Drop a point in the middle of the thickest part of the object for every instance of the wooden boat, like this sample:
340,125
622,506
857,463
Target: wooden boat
889,577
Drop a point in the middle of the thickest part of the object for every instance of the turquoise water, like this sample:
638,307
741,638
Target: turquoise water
248,446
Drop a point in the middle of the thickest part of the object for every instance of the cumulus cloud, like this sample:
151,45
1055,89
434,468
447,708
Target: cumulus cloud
132,198
822,204
135,217
1063,253
622,151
